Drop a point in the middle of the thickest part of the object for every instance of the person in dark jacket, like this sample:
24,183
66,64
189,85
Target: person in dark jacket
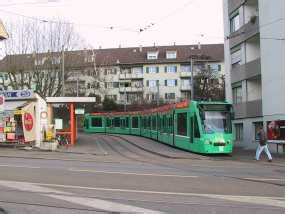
262,145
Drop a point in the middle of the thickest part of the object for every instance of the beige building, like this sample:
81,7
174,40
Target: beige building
129,75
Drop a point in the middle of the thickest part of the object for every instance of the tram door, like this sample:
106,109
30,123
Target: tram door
191,128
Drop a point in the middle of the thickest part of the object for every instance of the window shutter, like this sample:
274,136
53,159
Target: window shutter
165,95
157,82
147,83
219,67
175,82
165,69
157,69
175,69
147,70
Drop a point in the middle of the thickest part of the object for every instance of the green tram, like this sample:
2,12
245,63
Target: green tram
200,127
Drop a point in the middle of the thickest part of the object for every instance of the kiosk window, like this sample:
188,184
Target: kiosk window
182,124
96,122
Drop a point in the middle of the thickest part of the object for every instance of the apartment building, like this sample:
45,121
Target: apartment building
254,66
130,75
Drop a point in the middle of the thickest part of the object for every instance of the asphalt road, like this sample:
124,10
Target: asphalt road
124,178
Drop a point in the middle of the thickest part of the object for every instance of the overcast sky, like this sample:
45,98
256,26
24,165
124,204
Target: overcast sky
110,23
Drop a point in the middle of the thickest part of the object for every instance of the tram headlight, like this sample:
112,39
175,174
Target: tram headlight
208,142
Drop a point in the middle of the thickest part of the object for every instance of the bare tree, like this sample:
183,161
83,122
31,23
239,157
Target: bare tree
208,85
34,55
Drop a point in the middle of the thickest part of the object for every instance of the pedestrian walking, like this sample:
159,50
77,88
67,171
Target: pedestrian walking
262,145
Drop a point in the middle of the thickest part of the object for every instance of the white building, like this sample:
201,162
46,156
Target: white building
254,64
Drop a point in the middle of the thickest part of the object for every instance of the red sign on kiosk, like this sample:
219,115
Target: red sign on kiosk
28,121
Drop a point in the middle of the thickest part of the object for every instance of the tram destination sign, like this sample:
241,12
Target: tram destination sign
18,94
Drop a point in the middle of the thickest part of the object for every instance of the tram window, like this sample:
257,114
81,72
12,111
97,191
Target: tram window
96,122
127,122
158,123
182,124
108,121
196,128
164,126
153,122
116,122
135,122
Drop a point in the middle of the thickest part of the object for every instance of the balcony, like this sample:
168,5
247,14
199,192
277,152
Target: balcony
185,87
245,32
184,74
246,71
131,89
248,109
131,76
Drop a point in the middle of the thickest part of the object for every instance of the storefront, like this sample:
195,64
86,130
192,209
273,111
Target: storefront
22,117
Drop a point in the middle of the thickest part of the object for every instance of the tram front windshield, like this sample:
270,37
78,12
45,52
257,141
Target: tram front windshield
215,120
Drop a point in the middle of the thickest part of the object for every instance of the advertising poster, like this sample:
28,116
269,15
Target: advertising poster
28,121
276,130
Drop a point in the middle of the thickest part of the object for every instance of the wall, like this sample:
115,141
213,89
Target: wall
272,56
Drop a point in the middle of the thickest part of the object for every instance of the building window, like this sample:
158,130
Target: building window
152,69
234,23
257,127
237,95
138,70
182,124
214,67
152,83
170,69
171,82
239,131
170,54
169,96
96,122
236,57
185,68
152,55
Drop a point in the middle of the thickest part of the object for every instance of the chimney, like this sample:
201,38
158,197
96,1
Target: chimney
154,44
174,43
100,47
199,45
141,48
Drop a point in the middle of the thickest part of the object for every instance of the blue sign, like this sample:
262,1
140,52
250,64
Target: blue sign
18,94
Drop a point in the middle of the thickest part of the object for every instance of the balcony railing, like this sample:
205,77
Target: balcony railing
185,74
185,87
131,76
248,109
130,89
246,71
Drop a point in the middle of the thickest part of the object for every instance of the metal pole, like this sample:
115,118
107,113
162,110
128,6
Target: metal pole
77,84
157,98
63,86
192,79
125,104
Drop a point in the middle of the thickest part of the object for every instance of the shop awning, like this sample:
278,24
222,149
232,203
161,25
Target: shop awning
12,105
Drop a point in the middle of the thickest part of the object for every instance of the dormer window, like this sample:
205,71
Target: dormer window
170,54
152,55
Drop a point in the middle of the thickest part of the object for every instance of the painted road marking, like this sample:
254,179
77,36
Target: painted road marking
20,166
132,173
85,201
261,200
104,205
266,179
24,186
